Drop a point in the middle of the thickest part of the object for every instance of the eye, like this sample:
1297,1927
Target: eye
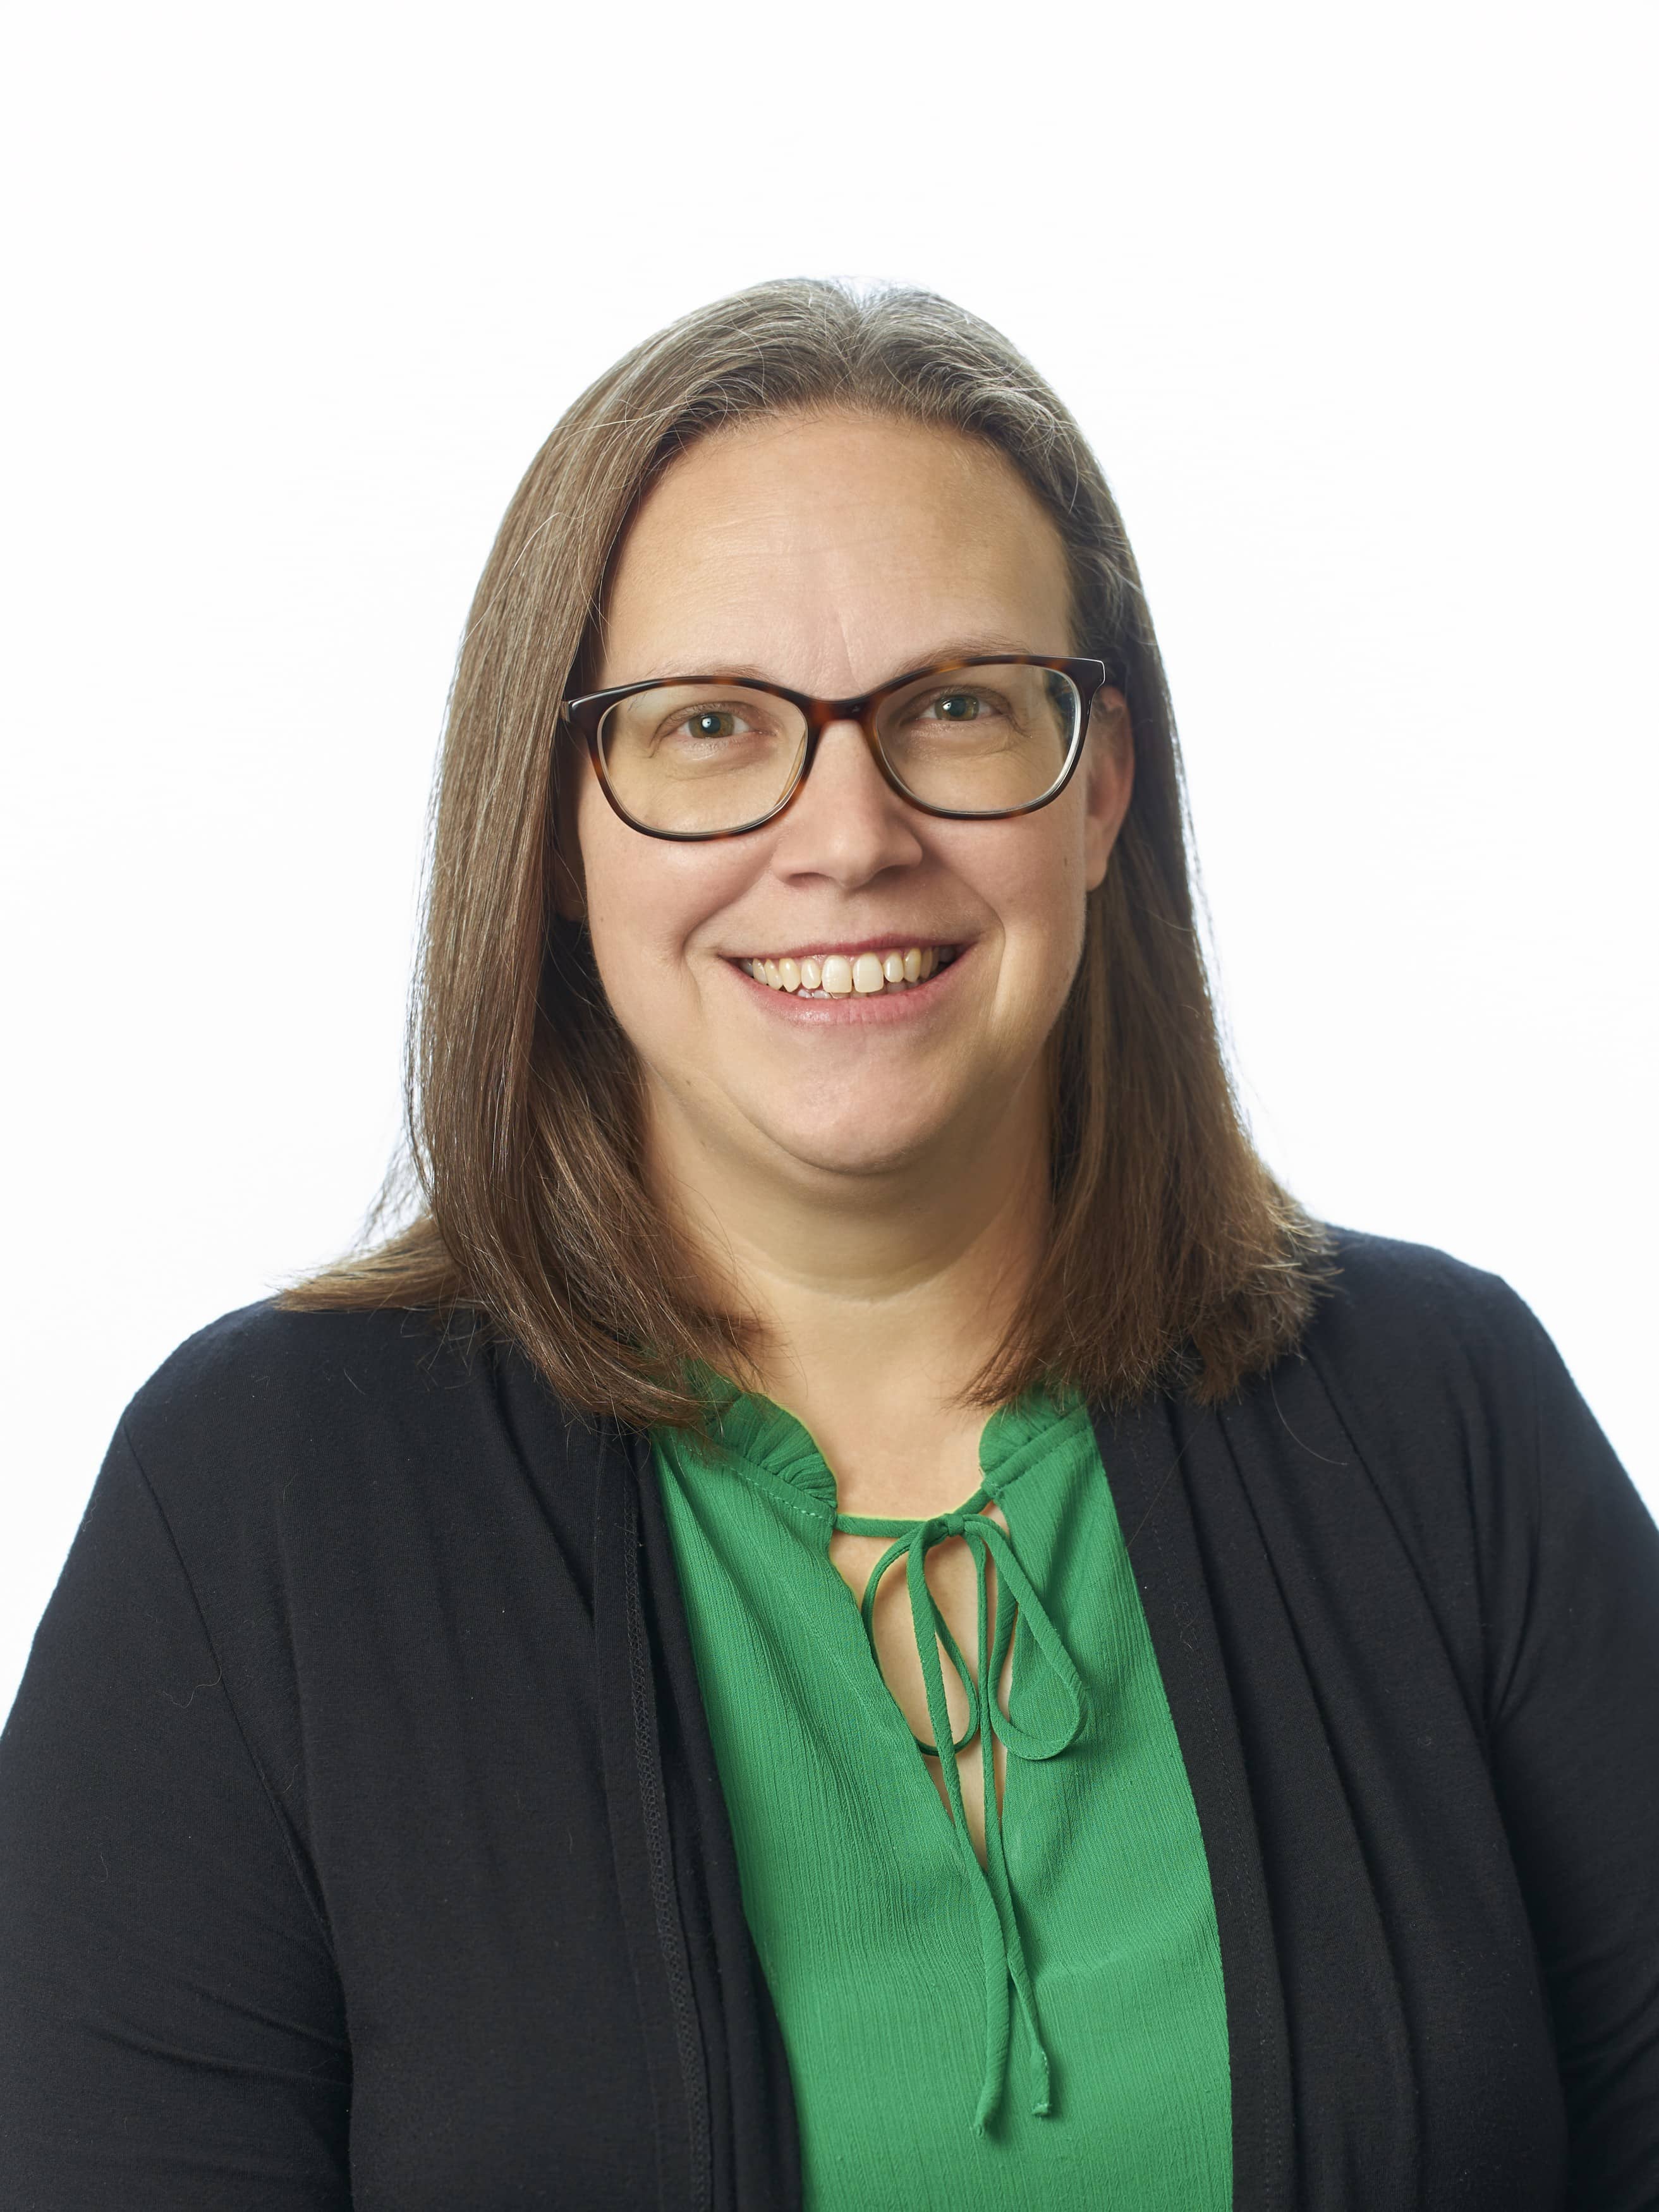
957,706
711,722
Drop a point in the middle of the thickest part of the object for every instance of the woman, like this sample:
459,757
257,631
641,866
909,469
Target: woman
859,1610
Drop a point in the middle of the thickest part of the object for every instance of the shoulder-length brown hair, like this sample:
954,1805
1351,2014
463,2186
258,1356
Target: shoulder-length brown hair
1174,1257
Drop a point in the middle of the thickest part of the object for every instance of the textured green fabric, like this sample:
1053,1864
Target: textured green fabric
1049,2031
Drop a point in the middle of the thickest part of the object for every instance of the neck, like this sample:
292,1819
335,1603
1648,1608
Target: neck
879,1295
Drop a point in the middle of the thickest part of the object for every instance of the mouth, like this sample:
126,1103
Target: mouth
864,972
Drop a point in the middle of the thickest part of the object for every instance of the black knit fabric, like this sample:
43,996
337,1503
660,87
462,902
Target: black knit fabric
361,1844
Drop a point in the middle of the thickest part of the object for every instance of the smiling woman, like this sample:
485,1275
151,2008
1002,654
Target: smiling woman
480,1751
798,492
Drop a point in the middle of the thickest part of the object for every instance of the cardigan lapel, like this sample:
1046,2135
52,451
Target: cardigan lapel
636,1799
1142,1450
754,2145
726,2110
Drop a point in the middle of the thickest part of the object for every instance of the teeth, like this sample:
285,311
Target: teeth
840,974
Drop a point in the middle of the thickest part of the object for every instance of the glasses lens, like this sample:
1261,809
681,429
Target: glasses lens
699,759
981,740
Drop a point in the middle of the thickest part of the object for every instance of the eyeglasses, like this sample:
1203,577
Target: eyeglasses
689,756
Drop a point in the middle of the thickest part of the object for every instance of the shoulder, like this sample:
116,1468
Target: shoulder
1405,1429
264,1369
272,1416
1410,1325
358,1508
1438,1371
1444,1363
1452,1399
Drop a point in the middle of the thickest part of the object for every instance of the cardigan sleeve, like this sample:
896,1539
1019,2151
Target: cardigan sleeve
171,2023
1575,1741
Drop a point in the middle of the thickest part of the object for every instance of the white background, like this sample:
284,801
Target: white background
1356,303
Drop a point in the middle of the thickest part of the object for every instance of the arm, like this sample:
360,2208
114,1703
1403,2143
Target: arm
172,2029
1575,1754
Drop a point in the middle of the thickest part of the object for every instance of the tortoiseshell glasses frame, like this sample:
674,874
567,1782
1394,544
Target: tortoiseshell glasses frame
586,716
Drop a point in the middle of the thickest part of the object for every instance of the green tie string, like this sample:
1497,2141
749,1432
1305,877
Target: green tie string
1001,1946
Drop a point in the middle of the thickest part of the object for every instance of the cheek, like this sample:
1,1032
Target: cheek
1030,873
631,916
647,899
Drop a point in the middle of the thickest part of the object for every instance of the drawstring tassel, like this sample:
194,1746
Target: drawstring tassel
1001,1948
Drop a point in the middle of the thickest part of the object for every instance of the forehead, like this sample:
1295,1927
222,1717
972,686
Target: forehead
830,553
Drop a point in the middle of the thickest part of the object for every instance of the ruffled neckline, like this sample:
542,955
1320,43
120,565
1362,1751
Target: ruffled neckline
767,1439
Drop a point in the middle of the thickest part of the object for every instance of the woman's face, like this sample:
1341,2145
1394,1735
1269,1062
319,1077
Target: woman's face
830,555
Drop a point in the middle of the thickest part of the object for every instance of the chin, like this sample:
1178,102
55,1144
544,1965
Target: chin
861,1146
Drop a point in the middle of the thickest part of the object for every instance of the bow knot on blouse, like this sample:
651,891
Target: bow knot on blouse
1001,1950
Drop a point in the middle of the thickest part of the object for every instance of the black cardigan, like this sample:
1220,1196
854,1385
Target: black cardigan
362,1843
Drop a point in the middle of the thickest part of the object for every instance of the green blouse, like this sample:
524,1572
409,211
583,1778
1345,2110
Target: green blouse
1048,2030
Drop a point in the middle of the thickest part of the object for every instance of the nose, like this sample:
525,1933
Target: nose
844,823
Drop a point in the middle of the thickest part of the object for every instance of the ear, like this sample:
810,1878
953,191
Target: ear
1108,773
